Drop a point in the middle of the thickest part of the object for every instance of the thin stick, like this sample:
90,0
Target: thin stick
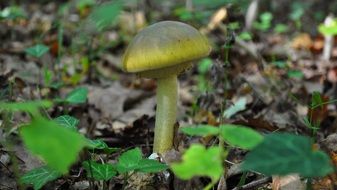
254,184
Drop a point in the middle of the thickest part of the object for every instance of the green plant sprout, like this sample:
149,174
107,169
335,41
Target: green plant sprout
128,163
38,51
203,68
12,12
316,102
65,142
265,22
199,161
281,28
297,12
263,157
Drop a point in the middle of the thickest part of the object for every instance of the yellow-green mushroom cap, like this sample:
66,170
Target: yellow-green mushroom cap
164,48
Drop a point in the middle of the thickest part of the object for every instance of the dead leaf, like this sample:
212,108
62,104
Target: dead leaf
217,18
289,182
302,41
121,105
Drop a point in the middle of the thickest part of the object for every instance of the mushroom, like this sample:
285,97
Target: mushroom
162,51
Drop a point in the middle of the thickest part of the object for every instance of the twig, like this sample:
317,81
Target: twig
222,185
254,184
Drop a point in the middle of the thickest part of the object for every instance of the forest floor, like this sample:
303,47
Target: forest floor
266,82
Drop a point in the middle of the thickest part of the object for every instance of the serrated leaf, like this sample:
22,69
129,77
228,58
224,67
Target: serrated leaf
199,161
77,96
106,14
38,177
284,153
149,166
240,136
37,50
239,105
129,160
200,130
56,145
68,122
101,145
99,171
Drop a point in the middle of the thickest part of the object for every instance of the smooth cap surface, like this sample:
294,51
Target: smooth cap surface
164,44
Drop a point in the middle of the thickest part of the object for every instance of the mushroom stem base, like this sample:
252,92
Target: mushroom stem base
166,113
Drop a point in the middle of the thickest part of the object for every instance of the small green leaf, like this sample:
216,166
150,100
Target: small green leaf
38,177
245,36
281,28
129,160
47,76
101,145
239,105
330,29
295,74
285,153
12,12
199,161
150,166
132,160
240,136
204,65
316,99
99,171
77,96
200,130
106,14
57,145
68,122
37,50
280,64
82,4
234,25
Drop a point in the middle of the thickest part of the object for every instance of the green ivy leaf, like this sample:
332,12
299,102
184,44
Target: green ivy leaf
200,130
150,166
132,160
101,145
199,161
285,153
99,171
37,50
129,160
77,96
38,177
106,14
68,122
240,136
57,145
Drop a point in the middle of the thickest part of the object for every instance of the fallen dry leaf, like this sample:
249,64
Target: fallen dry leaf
289,182
302,41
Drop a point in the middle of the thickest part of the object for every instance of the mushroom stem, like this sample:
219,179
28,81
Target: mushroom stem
166,113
